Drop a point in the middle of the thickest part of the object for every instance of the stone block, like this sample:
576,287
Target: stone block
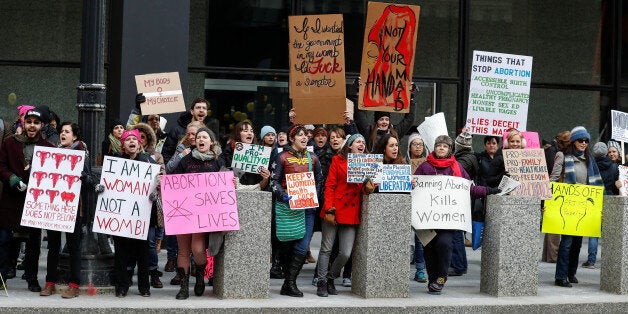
511,246
380,258
614,261
241,267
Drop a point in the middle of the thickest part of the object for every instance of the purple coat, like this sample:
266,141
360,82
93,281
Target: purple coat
427,169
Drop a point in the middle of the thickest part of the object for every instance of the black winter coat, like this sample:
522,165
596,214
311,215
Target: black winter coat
491,169
609,172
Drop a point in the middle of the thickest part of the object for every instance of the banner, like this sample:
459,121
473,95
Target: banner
302,187
529,168
431,128
575,209
619,123
396,178
623,178
54,189
199,202
250,157
124,208
317,68
388,57
499,93
363,166
441,202
162,91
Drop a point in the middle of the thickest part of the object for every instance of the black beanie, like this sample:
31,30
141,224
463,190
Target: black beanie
112,124
379,114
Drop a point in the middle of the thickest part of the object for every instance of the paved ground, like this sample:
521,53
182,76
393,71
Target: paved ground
461,294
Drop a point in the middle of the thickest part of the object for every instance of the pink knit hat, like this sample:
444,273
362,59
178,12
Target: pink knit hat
23,109
127,133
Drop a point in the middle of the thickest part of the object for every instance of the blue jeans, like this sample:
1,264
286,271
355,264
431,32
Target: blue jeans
154,233
171,245
300,246
419,260
568,253
458,253
592,250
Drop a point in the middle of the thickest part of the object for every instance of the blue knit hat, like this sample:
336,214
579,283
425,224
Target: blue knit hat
578,133
265,130
352,138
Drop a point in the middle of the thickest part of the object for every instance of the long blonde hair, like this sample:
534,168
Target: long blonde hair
197,125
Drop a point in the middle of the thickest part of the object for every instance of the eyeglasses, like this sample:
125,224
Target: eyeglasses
583,140
154,119
416,144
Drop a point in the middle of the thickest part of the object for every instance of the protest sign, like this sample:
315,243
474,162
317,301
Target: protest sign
441,202
199,202
531,139
623,178
575,209
54,189
507,185
415,163
363,166
529,168
124,208
431,128
162,91
619,123
302,188
499,93
250,157
317,68
388,57
396,178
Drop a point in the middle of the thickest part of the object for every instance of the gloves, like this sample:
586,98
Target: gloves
369,187
286,198
99,188
21,186
139,99
330,216
14,181
490,190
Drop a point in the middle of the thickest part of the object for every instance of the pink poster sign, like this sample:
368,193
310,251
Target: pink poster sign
199,202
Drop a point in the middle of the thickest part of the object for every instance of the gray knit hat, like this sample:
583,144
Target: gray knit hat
600,150
464,142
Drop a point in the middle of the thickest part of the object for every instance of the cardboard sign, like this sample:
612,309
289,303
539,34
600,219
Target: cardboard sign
575,209
499,93
415,163
532,139
507,185
250,157
54,189
124,208
396,178
363,166
302,187
431,128
619,123
388,57
317,68
162,91
529,168
199,202
623,178
441,202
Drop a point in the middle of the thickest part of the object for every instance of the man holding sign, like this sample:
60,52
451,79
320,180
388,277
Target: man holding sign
438,251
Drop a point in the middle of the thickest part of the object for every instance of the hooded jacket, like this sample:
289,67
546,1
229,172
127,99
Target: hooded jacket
151,141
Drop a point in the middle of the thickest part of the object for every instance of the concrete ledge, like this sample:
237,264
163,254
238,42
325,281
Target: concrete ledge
380,258
241,268
510,246
614,271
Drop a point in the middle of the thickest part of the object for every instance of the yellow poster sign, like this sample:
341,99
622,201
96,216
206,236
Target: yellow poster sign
575,209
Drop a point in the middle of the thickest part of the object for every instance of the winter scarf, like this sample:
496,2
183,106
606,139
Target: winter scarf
592,171
445,163
202,156
115,143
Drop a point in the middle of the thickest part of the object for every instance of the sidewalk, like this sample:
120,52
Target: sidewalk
461,294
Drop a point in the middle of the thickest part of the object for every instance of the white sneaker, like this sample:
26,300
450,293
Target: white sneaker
346,282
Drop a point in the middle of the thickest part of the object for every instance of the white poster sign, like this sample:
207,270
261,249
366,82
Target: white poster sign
124,208
619,123
396,178
499,93
441,202
54,189
250,157
431,128
301,187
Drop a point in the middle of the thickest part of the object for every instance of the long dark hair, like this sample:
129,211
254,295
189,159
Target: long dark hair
380,148
571,150
235,134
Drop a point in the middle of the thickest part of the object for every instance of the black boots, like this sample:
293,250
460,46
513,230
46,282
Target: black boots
184,291
155,282
321,288
289,287
275,269
331,288
199,286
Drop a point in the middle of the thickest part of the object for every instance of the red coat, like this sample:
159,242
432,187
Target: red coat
12,162
345,197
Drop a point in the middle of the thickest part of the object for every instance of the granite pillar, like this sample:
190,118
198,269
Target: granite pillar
614,270
511,246
241,267
380,258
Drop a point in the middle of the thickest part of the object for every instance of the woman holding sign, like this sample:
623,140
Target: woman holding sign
243,133
203,158
295,226
574,165
438,251
340,216
69,138
388,145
